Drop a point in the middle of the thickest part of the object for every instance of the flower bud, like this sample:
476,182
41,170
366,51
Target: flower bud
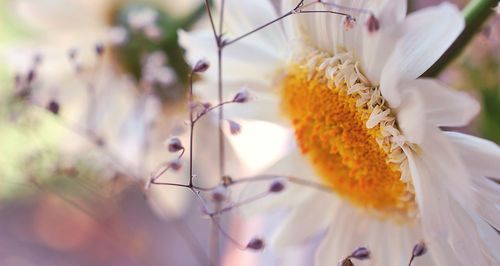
349,22
31,76
276,187
242,96
175,165
361,253
174,145
227,180
99,49
419,249
346,262
201,66
219,194
53,107
234,127
255,244
372,24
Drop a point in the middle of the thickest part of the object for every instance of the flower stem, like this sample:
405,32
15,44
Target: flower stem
475,13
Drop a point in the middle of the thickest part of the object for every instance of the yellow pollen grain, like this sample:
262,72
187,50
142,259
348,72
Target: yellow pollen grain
331,131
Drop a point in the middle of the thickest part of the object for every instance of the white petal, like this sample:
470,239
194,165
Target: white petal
445,107
455,235
411,116
426,34
306,220
260,144
481,156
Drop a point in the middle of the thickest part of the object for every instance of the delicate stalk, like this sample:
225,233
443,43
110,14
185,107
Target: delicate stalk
475,13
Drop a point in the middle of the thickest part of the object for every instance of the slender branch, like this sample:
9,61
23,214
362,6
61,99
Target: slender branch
476,13
209,12
241,203
191,128
211,109
227,43
297,10
221,111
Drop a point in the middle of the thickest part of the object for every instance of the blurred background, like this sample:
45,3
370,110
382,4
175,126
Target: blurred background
90,90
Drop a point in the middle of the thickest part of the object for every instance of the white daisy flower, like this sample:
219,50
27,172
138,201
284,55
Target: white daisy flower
367,127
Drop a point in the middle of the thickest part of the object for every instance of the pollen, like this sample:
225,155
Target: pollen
345,129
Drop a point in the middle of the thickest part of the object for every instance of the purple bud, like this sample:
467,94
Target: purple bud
219,194
201,66
349,22
175,165
227,180
255,244
31,76
100,142
37,59
17,80
419,249
206,105
174,145
53,107
346,262
99,49
72,53
361,253
276,187
234,127
372,24
242,96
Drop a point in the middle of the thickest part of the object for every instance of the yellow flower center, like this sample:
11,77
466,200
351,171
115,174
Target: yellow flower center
344,127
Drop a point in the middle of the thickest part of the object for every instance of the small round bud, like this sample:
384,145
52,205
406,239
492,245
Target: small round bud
349,22
242,96
37,59
175,165
419,249
100,141
234,127
72,53
174,145
201,66
227,180
346,262
361,253
219,194
206,105
372,24
53,107
256,244
276,187
99,49
31,76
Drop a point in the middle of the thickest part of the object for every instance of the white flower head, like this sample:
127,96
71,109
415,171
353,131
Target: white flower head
367,126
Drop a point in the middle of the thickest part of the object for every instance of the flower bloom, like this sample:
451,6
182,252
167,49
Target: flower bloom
367,127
